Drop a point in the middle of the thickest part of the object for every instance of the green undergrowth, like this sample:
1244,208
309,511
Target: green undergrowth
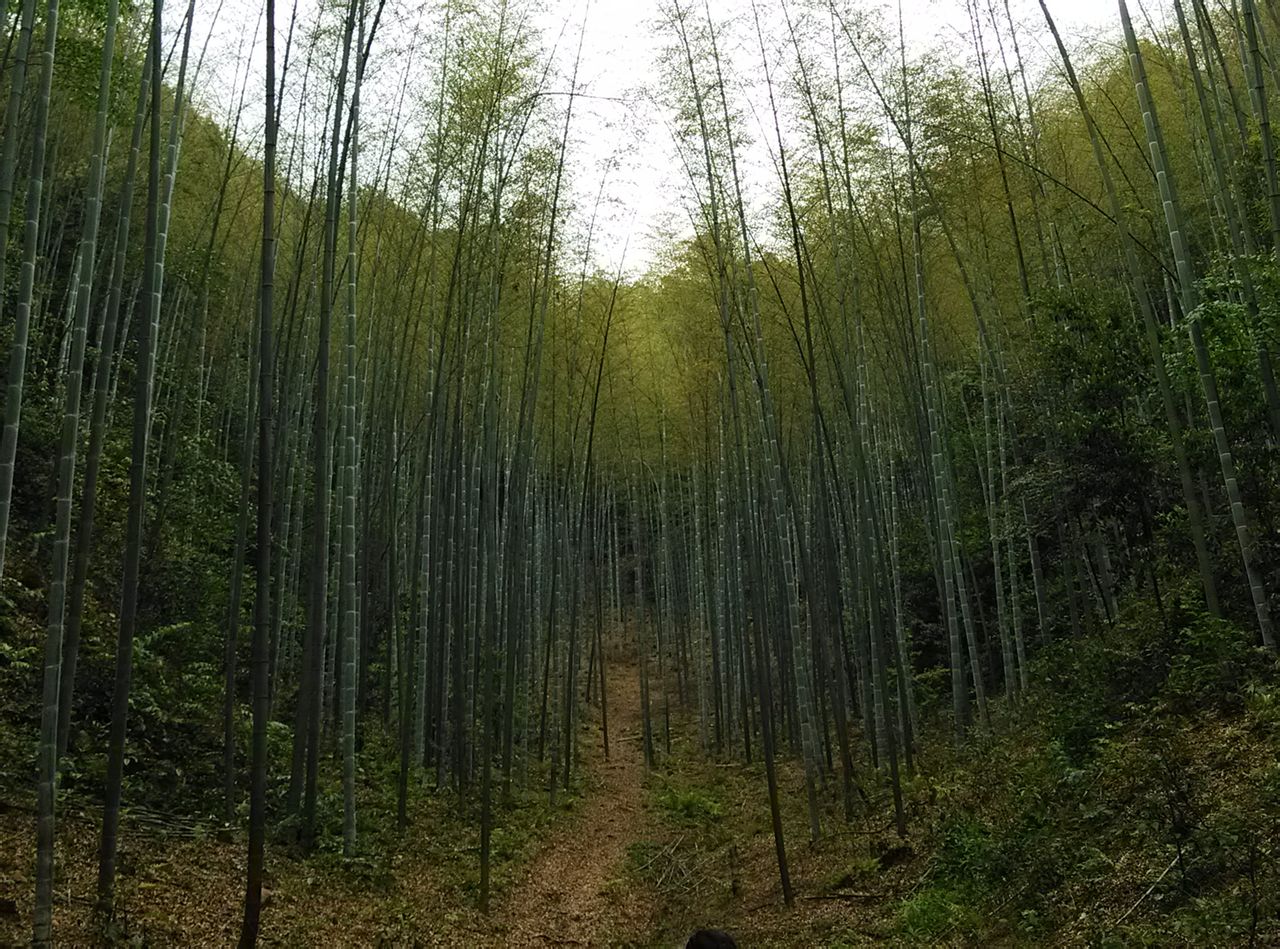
713,863
443,831
173,786
1131,798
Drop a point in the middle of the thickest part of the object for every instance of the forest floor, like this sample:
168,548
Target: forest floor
631,858
1059,826
576,890
634,856
653,855
561,874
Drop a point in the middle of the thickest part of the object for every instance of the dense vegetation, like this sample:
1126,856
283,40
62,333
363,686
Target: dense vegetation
933,478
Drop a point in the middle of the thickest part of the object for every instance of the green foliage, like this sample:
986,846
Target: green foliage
690,805
967,851
1212,663
1140,783
937,912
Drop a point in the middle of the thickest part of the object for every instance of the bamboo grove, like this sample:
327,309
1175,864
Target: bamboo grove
982,355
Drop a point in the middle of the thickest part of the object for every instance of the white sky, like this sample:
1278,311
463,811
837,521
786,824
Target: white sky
619,63
617,125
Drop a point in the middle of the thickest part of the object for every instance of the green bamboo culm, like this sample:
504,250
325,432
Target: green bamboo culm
60,646
108,341
349,465
46,789
137,496
260,685
1189,302
30,244
1151,332
8,167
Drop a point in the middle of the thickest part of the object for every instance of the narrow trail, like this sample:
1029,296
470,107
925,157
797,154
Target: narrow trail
573,892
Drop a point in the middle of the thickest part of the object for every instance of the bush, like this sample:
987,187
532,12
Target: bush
936,912
690,806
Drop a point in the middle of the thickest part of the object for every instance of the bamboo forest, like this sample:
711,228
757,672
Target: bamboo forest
652,473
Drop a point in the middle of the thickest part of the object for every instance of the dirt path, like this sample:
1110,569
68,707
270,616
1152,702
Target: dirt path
573,893
180,890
